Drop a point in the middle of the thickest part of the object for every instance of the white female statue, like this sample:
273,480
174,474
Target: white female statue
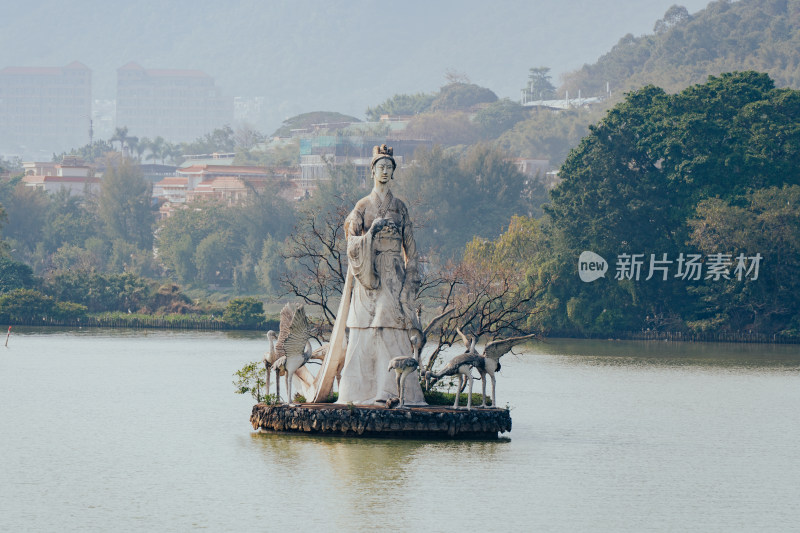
382,256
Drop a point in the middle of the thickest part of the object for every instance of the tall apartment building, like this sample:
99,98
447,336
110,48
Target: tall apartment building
44,109
179,105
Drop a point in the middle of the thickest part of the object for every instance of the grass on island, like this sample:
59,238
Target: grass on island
435,397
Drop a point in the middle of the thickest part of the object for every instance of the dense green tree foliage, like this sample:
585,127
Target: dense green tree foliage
459,96
31,306
21,305
444,128
685,49
547,135
539,85
654,156
67,221
211,243
26,209
15,275
124,204
711,170
498,117
180,234
221,140
764,221
245,312
100,292
401,104
456,197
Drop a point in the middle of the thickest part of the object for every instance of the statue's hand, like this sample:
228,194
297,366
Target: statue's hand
378,224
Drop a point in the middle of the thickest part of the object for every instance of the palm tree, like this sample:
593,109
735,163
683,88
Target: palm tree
121,136
137,146
157,147
131,145
174,152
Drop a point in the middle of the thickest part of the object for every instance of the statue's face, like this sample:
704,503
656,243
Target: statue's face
382,171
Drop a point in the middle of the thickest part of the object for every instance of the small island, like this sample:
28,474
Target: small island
431,422
376,343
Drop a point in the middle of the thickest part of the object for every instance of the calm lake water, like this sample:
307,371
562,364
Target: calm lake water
140,431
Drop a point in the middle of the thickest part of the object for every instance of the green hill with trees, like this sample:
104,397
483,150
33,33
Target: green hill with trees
691,198
684,49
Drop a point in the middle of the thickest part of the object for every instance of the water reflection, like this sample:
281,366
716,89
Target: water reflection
355,458
366,473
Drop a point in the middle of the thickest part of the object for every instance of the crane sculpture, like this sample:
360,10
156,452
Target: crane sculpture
461,366
403,366
490,358
293,347
270,357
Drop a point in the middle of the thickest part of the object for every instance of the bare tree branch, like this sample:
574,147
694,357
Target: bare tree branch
314,253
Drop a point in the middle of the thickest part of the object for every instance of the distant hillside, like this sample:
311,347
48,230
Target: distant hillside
684,49
303,55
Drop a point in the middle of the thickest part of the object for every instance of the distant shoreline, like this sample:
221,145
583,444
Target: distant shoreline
680,336
138,321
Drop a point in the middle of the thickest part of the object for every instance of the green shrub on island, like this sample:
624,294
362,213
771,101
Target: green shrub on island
435,397
252,378
245,312
21,305
172,318
104,292
15,275
28,305
69,311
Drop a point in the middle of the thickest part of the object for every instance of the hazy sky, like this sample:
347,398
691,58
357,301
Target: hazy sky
334,55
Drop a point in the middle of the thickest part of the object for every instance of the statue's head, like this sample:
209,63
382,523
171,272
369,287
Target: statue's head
383,163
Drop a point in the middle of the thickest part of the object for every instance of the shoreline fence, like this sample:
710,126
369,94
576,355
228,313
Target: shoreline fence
680,336
137,322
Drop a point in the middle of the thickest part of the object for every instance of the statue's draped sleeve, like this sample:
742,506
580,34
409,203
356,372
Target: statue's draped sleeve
359,250
412,279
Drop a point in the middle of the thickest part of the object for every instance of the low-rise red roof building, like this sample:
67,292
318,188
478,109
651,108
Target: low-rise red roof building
72,175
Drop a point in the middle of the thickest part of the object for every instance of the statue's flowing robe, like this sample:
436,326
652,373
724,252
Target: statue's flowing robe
381,318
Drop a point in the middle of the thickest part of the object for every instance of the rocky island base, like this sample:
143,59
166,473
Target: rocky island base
430,422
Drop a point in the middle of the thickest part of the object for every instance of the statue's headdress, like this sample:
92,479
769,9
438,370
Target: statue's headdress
382,152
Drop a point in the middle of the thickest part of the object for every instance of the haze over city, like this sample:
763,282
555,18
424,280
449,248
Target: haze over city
334,56
199,201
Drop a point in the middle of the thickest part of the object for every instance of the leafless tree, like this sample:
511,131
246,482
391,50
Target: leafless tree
316,259
489,301
455,76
